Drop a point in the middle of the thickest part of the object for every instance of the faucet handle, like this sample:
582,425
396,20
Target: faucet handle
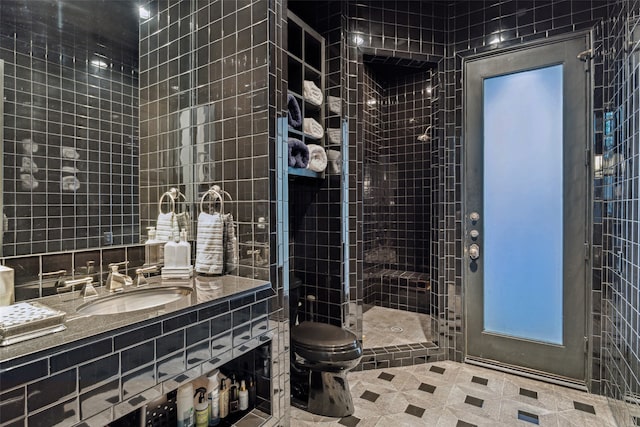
118,265
56,274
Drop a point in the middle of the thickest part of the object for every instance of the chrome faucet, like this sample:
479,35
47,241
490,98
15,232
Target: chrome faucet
88,291
140,280
116,281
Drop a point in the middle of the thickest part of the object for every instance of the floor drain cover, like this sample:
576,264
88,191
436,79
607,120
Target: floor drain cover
396,329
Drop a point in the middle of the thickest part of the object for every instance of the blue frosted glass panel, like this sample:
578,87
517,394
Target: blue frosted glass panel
523,204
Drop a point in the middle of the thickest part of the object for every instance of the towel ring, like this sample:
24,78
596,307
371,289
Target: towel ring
212,192
172,202
177,195
222,192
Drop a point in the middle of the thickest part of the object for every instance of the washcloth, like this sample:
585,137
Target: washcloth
295,116
298,154
312,93
334,161
317,158
209,245
335,135
167,227
335,105
230,244
312,128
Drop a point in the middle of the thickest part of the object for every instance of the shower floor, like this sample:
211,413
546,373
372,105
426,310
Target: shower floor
383,326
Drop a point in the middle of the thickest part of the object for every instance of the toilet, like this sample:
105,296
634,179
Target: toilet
321,356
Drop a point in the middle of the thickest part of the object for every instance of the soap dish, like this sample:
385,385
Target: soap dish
26,320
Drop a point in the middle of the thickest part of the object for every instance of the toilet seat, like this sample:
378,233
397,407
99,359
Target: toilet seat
324,344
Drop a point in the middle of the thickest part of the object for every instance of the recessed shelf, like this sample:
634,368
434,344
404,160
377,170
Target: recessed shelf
305,173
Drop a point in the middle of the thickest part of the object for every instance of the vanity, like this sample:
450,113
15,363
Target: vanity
103,367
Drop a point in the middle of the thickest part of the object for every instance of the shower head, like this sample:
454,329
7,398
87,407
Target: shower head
425,136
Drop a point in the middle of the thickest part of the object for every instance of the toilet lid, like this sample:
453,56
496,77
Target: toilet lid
322,335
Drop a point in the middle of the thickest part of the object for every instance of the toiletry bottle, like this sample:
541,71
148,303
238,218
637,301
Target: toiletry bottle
201,407
214,399
185,405
153,248
183,258
243,397
233,396
252,392
224,399
170,253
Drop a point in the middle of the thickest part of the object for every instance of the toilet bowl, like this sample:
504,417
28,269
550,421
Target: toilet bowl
321,356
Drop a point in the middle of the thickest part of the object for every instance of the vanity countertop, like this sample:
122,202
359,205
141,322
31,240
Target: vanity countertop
206,290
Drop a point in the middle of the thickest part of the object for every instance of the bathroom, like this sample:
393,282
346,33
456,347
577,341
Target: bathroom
224,62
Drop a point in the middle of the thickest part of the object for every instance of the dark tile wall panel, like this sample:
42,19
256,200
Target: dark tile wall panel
619,211
102,383
71,126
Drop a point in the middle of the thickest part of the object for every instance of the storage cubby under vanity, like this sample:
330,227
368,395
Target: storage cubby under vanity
102,368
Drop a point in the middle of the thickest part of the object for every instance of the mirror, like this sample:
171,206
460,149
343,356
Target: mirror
70,136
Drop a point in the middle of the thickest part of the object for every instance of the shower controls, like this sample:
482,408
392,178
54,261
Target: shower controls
474,216
474,251
474,234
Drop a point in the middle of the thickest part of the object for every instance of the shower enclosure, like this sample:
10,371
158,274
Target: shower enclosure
396,188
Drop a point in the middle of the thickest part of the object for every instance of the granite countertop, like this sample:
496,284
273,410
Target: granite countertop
81,326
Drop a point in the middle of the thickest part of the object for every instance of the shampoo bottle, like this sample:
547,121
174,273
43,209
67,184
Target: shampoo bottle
184,402
243,397
252,392
224,399
214,399
201,407
183,258
233,396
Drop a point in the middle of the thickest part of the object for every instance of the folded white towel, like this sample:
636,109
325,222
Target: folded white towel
335,105
335,135
334,160
312,127
317,158
209,246
230,244
167,227
312,93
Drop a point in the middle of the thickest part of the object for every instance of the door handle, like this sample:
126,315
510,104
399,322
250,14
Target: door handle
474,251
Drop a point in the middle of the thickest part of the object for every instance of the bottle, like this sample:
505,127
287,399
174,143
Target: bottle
170,253
183,255
153,248
201,407
243,397
234,397
252,392
224,399
214,399
185,405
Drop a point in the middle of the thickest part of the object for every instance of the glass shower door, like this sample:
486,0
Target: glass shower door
525,197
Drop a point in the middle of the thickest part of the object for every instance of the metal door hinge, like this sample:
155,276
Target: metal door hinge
586,345
587,251
587,160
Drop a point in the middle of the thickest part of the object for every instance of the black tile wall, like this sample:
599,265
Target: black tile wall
71,126
95,379
616,184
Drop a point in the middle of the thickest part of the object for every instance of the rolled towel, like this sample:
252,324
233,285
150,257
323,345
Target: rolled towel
335,135
311,93
334,158
313,128
209,244
317,158
298,153
335,104
295,116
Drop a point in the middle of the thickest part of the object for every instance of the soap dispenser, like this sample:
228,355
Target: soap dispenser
171,253
153,249
183,258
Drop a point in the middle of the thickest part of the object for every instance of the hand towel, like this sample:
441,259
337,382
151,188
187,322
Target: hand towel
295,116
312,128
167,227
335,104
311,93
230,244
335,135
334,161
209,245
317,158
298,154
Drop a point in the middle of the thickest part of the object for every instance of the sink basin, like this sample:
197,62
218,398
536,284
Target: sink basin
139,299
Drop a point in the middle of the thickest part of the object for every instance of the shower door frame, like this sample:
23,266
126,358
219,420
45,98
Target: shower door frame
530,358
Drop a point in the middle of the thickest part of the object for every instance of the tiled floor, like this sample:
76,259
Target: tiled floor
383,326
451,394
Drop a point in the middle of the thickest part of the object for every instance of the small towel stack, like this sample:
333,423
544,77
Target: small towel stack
209,244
